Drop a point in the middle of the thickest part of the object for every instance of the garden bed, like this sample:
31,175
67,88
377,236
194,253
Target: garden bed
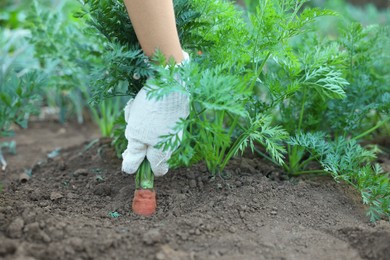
78,206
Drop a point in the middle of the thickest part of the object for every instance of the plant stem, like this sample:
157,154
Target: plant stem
234,148
265,156
234,119
302,109
305,162
309,172
223,151
258,72
144,178
371,129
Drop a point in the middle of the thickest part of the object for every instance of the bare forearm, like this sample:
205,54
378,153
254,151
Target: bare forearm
155,26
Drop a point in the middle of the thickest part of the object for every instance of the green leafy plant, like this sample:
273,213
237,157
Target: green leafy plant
19,84
219,126
66,53
259,77
105,115
114,214
305,81
366,107
219,123
144,179
346,160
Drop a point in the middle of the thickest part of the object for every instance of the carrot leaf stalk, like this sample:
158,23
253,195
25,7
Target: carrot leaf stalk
144,178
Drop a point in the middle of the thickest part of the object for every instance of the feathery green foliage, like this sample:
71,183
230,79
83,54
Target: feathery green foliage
126,67
66,54
19,84
219,125
259,77
347,161
367,103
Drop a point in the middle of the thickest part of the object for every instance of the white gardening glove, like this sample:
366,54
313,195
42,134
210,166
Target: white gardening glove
147,119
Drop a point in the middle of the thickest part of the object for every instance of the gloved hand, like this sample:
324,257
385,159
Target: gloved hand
147,119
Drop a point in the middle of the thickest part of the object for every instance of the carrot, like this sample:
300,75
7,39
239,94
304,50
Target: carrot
144,201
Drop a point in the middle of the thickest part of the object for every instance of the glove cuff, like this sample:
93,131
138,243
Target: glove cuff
186,58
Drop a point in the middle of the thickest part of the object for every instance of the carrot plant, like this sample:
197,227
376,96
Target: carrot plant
144,178
219,126
105,114
221,82
329,94
366,108
347,161
264,77
126,66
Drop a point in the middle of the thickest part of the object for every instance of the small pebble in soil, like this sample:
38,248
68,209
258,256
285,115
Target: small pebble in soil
7,247
232,229
152,237
55,196
102,190
192,183
34,232
167,252
191,175
43,203
160,256
76,243
42,224
15,228
62,165
80,172
45,237
32,228
71,195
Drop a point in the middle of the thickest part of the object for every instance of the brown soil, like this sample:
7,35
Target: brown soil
378,3
67,210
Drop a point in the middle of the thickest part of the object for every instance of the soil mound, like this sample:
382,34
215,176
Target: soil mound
78,206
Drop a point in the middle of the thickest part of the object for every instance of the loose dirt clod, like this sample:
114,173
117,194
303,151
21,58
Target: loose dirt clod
76,243
102,189
15,229
55,196
192,183
80,172
152,237
229,218
167,252
7,247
